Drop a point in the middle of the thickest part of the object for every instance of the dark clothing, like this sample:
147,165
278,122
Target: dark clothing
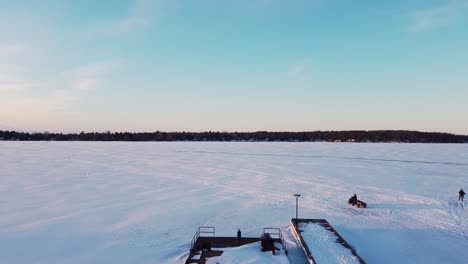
238,235
462,194
353,200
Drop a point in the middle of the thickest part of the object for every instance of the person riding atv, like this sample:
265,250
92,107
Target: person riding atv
353,200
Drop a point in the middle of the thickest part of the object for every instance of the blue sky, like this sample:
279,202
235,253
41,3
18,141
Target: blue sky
246,65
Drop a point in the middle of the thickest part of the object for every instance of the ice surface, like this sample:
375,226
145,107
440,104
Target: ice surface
116,202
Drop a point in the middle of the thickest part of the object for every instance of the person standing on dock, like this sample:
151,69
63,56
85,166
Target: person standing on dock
239,235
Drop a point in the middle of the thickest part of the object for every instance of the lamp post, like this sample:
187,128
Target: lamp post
297,197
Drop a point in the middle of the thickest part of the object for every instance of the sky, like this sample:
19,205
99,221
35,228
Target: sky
245,65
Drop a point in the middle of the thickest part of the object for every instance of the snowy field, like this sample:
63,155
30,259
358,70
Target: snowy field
96,202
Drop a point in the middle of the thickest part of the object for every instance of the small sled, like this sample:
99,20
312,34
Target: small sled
361,204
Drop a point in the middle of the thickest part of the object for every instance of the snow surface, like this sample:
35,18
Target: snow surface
323,246
117,202
250,254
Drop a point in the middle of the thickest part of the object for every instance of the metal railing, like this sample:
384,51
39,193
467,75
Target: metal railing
276,233
201,231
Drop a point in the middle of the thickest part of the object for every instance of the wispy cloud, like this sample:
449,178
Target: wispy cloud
436,17
97,68
26,100
86,84
11,56
89,76
12,72
11,49
299,68
295,70
140,14
14,85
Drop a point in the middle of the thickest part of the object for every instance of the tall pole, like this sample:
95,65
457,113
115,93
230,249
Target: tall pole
297,197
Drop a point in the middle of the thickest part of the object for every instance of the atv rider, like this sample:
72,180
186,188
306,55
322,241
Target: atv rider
462,194
353,200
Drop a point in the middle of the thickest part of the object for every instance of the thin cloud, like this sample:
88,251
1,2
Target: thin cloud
96,69
12,83
86,84
141,14
10,50
16,86
299,69
428,19
14,68
296,70
89,76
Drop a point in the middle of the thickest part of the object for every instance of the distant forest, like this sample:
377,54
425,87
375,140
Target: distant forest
327,136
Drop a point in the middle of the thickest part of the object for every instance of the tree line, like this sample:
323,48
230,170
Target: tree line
327,136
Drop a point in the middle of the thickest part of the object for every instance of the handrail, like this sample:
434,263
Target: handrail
201,230
301,241
279,234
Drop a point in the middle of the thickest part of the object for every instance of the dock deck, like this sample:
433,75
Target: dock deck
320,241
206,235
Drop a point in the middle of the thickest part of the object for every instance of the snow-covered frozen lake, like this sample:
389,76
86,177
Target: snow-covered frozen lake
116,202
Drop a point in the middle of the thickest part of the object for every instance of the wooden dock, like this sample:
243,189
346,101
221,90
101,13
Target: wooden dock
325,224
206,235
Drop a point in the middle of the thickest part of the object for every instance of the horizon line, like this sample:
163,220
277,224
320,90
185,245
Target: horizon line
225,131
